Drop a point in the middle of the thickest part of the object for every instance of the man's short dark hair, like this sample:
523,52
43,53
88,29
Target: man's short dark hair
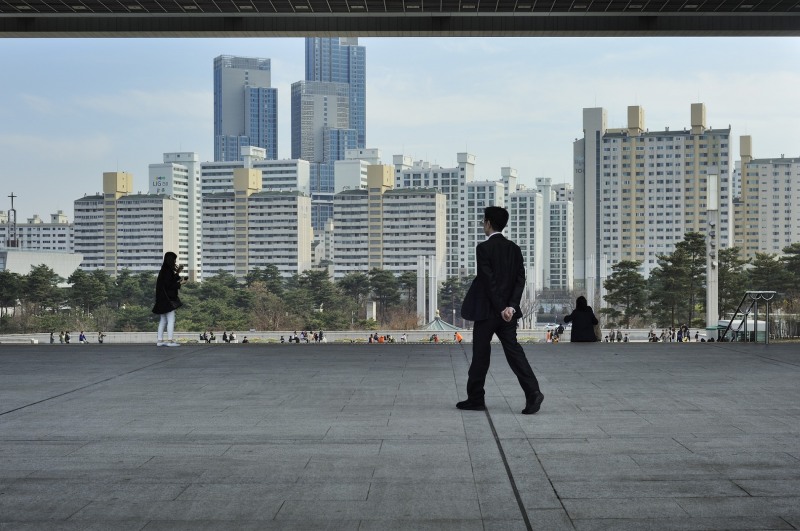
497,216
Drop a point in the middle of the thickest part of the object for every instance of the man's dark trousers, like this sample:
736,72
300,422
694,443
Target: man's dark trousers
481,352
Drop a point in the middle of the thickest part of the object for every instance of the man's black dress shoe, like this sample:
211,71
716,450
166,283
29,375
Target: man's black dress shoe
473,406
534,405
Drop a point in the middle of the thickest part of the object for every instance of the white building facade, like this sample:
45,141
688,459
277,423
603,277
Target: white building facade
119,230
766,214
452,182
250,228
638,192
39,235
179,177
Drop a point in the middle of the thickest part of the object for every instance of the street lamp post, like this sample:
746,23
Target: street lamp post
712,259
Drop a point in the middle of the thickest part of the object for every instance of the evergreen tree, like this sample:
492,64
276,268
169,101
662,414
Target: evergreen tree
693,251
768,274
41,290
732,280
452,294
408,284
626,289
667,297
385,290
11,287
356,288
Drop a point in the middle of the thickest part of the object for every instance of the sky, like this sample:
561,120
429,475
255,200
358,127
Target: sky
75,108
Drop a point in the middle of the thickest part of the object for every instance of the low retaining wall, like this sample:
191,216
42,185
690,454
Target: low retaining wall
536,335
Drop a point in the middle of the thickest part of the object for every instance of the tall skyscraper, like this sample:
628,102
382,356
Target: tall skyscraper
329,114
245,107
321,134
342,60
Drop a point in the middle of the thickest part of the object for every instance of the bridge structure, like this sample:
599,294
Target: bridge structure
397,18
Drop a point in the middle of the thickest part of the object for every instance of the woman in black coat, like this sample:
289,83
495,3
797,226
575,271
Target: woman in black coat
167,300
583,321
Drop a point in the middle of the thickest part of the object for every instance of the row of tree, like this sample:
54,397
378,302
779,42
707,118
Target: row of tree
265,301
674,294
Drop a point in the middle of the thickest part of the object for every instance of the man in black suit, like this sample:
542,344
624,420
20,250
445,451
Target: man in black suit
493,303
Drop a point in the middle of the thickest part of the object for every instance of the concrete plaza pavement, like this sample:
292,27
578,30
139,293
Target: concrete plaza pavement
367,437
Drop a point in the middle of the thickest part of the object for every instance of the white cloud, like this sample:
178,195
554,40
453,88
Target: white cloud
38,103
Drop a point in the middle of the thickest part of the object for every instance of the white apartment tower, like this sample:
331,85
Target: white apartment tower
250,228
276,175
388,228
637,192
557,232
351,235
476,197
766,220
526,228
414,224
39,235
118,230
452,183
179,177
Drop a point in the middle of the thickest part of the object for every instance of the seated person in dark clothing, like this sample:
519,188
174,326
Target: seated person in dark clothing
583,321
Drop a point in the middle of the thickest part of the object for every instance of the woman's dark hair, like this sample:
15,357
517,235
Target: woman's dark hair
170,259
581,303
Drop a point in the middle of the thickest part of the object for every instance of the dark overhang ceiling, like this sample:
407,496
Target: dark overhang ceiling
386,18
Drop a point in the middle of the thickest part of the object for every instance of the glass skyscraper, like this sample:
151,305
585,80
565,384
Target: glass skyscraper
328,114
320,135
342,60
245,107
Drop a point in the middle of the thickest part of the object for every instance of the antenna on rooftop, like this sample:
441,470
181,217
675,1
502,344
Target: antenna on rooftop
12,241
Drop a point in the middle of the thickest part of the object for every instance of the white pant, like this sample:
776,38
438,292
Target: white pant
168,320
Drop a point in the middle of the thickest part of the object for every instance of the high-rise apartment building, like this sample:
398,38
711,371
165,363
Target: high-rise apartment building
351,173
276,175
179,177
386,228
39,235
329,115
452,182
321,134
556,237
526,227
245,107
637,192
248,228
765,219
342,60
119,230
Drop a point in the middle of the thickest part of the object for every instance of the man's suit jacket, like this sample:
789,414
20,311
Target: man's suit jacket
500,280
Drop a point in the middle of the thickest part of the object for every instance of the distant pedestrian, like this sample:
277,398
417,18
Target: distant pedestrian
583,321
66,337
82,337
52,337
168,283
61,337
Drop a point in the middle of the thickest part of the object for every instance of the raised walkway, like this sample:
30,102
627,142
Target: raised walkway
366,437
